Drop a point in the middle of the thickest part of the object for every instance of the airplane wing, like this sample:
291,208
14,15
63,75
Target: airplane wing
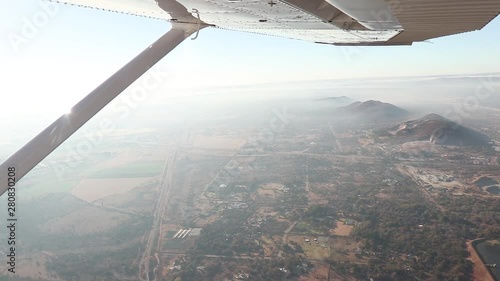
339,22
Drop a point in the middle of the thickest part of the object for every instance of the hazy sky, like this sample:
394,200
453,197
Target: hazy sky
77,49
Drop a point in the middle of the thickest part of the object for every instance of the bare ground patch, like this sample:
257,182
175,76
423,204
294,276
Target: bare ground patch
93,189
320,272
480,272
127,156
316,199
342,229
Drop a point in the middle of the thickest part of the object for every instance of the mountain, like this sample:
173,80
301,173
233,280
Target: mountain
439,130
337,101
374,111
321,107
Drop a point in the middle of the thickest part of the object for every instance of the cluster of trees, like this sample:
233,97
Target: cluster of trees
401,236
321,217
296,195
258,269
229,235
292,248
478,215
406,236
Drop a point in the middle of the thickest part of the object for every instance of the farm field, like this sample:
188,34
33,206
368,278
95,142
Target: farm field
143,169
91,190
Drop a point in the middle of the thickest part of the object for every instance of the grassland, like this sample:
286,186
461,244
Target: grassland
46,183
94,189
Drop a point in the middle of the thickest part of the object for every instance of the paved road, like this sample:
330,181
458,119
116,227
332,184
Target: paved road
165,186
153,244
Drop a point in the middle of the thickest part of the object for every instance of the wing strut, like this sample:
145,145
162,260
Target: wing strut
49,139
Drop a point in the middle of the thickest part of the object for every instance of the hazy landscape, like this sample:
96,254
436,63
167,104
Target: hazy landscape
361,179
